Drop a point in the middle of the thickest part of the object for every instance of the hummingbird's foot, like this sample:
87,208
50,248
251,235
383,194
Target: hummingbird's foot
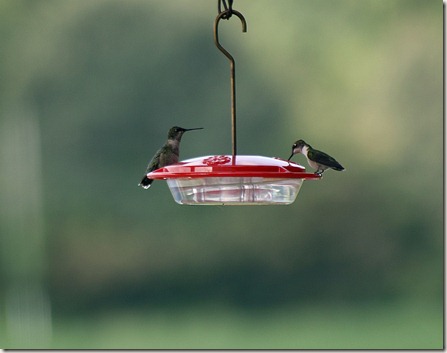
320,174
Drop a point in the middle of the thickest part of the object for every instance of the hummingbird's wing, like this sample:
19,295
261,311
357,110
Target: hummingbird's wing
155,162
153,165
324,159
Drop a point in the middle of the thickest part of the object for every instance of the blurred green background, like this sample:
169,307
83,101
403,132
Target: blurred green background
88,90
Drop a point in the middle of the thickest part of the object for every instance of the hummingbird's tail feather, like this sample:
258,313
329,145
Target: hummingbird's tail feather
146,183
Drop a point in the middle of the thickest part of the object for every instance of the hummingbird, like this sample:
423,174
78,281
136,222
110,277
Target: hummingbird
316,159
168,154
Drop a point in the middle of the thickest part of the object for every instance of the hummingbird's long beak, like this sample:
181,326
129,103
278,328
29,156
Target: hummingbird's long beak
195,128
290,156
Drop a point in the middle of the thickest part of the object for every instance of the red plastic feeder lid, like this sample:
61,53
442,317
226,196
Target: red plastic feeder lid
224,166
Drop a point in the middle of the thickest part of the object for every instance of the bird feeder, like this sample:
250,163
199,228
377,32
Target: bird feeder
226,180
233,179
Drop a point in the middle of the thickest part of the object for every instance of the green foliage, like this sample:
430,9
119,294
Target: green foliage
105,80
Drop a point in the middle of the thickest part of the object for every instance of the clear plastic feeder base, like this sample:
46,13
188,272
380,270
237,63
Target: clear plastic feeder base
242,180
234,191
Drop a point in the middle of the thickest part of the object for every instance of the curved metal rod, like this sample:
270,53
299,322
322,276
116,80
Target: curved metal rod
232,68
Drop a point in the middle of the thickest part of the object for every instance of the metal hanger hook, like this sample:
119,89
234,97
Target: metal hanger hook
224,15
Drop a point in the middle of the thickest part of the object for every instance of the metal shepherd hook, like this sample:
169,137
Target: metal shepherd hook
226,14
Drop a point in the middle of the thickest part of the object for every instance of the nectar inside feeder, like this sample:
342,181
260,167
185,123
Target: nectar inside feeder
225,180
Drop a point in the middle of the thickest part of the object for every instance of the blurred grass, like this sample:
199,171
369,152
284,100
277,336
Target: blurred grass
413,325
